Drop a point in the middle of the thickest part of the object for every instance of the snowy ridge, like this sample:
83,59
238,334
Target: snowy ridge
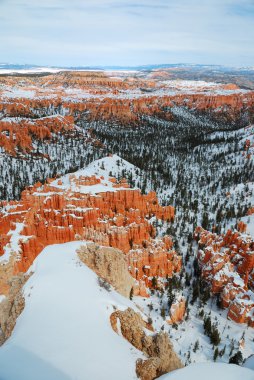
104,169
64,331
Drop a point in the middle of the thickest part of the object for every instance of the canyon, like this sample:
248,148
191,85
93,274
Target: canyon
38,109
149,175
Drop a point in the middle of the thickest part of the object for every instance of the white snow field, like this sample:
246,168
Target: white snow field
210,371
64,332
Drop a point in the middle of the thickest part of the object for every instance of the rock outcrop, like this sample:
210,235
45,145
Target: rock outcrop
177,311
109,264
11,307
161,357
17,134
227,263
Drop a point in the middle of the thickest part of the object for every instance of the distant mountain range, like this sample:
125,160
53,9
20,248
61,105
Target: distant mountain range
30,67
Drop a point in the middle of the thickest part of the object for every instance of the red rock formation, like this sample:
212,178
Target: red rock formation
127,110
105,98
251,211
156,259
227,263
242,227
241,310
18,135
117,217
177,311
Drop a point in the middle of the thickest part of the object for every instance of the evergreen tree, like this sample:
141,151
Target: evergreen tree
207,326
216,354
237,358
154,282
196,346
215,336
163,312
222,352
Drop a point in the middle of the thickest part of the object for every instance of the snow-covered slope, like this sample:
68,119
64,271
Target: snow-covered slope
104,168
108,166
249,363
64,332
210,371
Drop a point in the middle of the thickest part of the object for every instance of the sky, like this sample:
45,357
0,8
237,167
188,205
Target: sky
122,32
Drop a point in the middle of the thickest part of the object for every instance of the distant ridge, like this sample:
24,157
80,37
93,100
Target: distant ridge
11,67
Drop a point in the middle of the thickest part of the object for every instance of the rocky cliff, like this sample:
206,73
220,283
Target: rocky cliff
227,264
161,357
12,306
110,264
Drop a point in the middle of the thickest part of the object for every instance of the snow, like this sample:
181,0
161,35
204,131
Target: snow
187,84
64,332
35,70
249,199
228,272
103,166
210,371
18,93
111,166
249,220
191,330
13,245
249,363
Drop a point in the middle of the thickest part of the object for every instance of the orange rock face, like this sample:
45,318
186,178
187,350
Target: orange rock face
251,211
19,135
227,263
114,216
177,311
156,259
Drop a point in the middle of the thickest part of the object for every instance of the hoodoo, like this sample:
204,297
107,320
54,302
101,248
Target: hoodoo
82,206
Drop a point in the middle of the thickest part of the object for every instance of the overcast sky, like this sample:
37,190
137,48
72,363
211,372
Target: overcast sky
122,32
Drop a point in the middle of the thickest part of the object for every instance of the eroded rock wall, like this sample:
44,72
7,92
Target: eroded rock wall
161,357
109,264
227,263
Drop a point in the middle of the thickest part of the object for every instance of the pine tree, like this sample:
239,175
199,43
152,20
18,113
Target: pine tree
222,352
216,354
215,336
154,282
232,346
195,291
196,346
237,358
207,325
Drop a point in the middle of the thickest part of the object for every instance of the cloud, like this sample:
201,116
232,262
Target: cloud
104,32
